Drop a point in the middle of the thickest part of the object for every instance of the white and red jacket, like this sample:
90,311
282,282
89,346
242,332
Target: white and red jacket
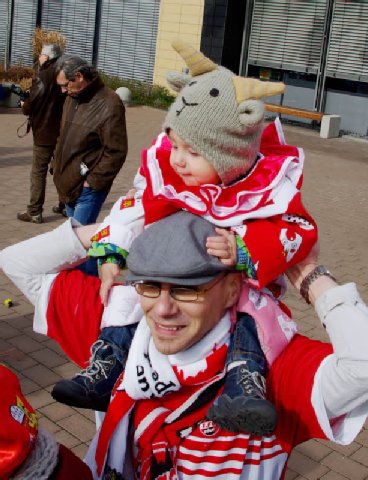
319,390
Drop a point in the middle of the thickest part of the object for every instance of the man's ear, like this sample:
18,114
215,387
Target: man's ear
233,287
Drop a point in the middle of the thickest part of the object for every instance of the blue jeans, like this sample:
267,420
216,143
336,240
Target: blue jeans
120,337
87,206
85,209
245,345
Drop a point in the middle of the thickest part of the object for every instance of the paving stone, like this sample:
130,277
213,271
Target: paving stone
333,476
49,425
80,450
314,450
64,437
361,456
25,343
67,370
42,375
8,331
28,386
17,360
79,426
345,466
40,399
48,357
57,411
291,475
305,466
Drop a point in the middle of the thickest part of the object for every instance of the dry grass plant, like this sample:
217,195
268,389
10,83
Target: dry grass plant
42,37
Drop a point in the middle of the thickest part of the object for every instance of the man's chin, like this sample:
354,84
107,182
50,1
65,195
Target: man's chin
169,346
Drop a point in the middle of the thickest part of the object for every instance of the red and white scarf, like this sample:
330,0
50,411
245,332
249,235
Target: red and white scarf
150,375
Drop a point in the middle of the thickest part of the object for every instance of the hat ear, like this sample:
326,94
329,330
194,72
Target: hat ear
251,88
178,80
195,61
251,112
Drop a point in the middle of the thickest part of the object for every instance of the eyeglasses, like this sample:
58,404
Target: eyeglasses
179,293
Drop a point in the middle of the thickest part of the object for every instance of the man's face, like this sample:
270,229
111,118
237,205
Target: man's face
42,59
71,87
177,325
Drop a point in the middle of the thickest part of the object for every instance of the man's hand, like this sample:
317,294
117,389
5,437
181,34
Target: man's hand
223,246
108,274
298,272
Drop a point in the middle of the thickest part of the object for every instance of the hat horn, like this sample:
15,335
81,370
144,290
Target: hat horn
196,61
251,88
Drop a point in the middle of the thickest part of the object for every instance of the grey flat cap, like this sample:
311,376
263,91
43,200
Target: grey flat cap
173,250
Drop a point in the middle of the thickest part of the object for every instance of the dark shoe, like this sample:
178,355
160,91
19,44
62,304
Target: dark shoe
91,388
60,209
26,217
242,407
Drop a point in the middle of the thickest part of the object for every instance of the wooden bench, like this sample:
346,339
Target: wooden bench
295,112
330,124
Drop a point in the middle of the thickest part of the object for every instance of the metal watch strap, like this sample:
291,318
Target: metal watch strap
319,271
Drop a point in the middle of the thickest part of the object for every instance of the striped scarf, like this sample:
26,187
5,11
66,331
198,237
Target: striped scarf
174,392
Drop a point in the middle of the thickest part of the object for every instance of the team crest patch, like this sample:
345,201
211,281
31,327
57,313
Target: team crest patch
22,415
105,232
208,428
127,203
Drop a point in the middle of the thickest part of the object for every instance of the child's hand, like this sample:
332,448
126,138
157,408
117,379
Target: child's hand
223,246
108,274
131,193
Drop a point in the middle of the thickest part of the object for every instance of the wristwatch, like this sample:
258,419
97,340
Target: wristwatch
319,271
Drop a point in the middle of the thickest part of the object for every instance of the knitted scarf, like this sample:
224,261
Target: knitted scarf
42,461
190,378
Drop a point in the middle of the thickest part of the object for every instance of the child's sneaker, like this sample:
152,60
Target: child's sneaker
242,407
91,388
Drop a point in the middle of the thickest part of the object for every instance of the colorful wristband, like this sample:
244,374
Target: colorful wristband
244,262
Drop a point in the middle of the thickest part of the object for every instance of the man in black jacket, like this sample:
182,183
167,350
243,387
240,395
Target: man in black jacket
44,106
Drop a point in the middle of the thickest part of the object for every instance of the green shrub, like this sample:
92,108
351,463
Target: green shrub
143,93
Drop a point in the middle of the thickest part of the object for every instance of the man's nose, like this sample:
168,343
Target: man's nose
166,306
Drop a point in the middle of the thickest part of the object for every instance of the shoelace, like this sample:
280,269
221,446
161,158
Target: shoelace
253,382
96,365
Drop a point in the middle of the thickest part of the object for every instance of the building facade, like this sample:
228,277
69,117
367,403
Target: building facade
319,48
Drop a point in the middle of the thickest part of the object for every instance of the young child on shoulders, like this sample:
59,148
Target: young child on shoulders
211,161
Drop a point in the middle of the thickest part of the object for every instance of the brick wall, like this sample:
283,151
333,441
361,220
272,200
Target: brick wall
177,20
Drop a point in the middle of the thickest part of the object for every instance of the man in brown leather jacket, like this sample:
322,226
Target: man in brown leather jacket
44,106
93,141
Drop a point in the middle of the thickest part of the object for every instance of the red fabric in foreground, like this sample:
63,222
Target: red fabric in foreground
74,314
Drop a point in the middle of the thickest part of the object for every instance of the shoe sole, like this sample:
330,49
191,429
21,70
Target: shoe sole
244,415
61,396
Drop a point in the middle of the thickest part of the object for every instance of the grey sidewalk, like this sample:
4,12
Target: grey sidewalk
335,192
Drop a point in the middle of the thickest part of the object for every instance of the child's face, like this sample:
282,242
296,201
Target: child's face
191,167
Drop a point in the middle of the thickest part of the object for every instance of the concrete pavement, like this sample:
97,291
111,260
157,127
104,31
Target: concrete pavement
335,192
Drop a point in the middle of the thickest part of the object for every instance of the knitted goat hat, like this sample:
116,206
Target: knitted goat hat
217,113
